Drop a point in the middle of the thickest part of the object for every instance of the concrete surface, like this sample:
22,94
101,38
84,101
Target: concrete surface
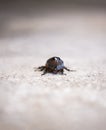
76,101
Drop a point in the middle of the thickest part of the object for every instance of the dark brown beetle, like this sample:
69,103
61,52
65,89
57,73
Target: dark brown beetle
53,65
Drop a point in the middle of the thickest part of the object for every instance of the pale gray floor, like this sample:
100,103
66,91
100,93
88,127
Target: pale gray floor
76,101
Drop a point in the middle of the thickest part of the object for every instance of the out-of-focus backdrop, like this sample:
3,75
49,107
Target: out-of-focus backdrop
31,31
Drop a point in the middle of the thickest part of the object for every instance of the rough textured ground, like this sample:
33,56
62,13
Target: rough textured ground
76,101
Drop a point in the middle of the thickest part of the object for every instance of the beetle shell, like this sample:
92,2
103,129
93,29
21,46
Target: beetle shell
55,63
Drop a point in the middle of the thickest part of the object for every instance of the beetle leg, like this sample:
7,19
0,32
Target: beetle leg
62,71
41,68
66,69
69,69
45,71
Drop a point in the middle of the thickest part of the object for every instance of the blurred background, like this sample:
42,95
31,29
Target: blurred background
31,31
57,26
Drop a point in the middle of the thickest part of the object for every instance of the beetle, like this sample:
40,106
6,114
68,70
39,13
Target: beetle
53,65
